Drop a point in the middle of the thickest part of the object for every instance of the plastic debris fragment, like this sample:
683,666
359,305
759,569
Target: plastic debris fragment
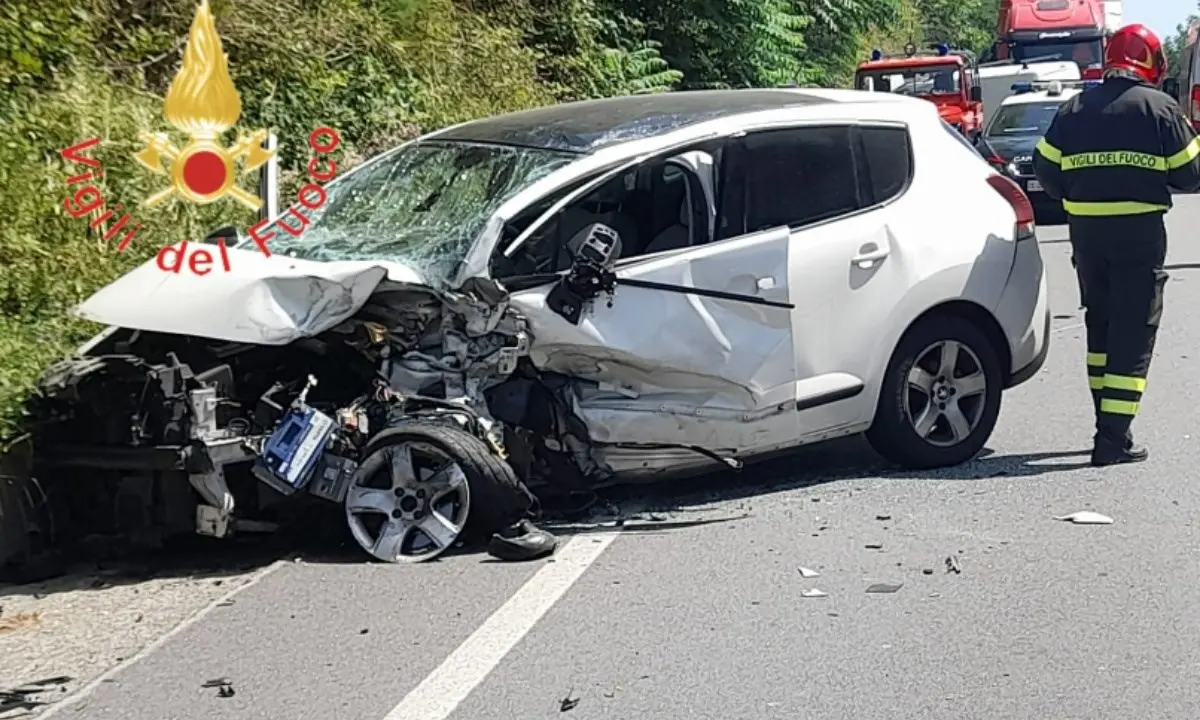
814,593
1086,517
808,573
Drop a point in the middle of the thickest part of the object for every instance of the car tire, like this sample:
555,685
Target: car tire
894,433
497,497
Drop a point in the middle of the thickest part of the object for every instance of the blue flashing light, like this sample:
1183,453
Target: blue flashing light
1092,83
876,55
1022,87
943,49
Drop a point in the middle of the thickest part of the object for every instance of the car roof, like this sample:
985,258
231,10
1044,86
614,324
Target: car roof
1040,96
589,125
912,63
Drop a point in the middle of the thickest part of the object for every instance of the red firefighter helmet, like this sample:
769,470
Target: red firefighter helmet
1136,49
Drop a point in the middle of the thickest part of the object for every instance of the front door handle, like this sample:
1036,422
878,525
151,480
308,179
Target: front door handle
869,254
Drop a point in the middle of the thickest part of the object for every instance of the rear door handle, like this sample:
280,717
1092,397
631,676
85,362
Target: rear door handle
868,255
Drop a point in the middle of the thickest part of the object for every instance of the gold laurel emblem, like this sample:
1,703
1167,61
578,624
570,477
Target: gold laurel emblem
203,102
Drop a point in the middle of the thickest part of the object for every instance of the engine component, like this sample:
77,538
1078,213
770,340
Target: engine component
291,453
332,477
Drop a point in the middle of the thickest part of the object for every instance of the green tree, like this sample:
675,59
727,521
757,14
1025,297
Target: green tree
969,24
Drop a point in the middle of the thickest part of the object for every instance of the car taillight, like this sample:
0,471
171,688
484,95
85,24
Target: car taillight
1196,103
1025,227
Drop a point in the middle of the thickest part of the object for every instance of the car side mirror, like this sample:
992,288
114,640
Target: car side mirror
228,233
1171,87
595,250
976,93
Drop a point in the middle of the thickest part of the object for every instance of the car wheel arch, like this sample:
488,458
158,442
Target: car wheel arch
977,315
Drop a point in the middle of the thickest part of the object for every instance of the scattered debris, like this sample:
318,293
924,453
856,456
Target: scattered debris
364,631
814,593
568,703
225,603
927,571
23,697
883,517
20,621
807,573
884,588
952,565
875,546
522,541
223,686
1086,517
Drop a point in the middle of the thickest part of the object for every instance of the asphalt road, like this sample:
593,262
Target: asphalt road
702,615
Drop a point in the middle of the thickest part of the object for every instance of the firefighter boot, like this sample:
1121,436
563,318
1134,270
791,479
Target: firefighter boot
1109,450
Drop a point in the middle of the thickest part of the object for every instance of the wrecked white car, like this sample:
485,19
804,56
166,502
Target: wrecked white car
564,298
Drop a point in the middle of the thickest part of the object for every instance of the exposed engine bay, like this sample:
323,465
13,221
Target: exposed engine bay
418,412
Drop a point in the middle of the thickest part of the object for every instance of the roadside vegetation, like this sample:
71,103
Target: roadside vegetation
380,71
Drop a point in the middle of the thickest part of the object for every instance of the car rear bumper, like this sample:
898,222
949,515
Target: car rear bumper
1024,313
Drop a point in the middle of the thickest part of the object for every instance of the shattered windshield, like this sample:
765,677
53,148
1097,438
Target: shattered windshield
422,206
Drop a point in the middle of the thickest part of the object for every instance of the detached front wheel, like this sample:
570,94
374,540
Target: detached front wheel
941,397
421,487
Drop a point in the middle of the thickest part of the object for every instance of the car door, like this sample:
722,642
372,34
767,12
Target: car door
694,348
847,267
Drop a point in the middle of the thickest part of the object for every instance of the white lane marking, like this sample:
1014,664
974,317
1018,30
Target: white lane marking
88,689
445,688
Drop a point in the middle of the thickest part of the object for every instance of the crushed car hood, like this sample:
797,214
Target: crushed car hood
260,300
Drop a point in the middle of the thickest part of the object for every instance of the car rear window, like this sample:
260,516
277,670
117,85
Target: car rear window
888,164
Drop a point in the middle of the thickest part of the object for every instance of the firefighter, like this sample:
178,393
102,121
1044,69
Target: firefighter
1112,155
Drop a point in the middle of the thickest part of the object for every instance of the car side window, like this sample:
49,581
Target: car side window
798,176
659,206
888,162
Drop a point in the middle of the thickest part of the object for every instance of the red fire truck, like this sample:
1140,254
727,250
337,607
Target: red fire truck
1076,30
945,77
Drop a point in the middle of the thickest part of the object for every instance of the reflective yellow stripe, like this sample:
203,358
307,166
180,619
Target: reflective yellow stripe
1115,158
1095,383
1049,152
1097,359
1110,209
1125,382
1118,407
1184,156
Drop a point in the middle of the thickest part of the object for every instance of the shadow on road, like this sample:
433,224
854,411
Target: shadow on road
991,466
834,462
328,541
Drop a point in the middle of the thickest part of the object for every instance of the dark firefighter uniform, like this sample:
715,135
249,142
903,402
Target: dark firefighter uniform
1111,156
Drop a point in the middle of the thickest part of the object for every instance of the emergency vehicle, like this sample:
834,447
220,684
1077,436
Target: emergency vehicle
1188,77
945,77
1019,123
1076,30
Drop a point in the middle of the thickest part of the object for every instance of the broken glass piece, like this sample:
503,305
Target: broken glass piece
885,587
1086,517
807,573
814,593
